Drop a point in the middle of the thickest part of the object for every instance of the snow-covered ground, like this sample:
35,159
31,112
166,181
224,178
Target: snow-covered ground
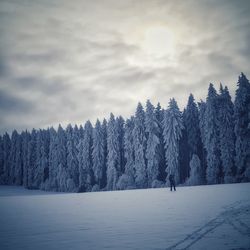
201,217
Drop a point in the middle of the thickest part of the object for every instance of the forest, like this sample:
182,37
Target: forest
206,143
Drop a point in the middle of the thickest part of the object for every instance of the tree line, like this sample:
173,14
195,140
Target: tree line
207,143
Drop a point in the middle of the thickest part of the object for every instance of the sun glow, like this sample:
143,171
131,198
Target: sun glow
156,44
159,42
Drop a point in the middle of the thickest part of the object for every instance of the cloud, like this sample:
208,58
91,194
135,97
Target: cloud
9,102
3,68
46,86
13,109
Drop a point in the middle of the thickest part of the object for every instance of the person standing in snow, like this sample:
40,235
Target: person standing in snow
172,182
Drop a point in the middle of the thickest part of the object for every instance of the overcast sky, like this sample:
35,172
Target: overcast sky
73,61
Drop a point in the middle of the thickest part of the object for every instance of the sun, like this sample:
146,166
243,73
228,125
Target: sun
158,41
156,46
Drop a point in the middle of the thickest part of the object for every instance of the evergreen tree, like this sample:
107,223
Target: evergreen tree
42,149
159,113
80,158
184,153
129,148
25,143
53,161
31,159
15,159
195,171
46,145
202,111
212,137
98,153
113,153
152,144
14,136
18,166
227,137
81,133
74,171
191,122
6,158
172,130
242,128
1,160
40,161
127,181
62,175
105,152
120,128
192,129
140,148
72,162
85,159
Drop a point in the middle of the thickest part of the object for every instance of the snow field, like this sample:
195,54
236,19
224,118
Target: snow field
190,218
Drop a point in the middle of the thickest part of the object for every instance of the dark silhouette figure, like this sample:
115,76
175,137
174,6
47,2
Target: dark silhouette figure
172,182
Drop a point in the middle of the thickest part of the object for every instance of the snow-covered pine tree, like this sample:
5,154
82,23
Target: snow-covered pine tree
72,162
195,177
40,160
129,149
126,181
80,159
152,145
19,166
44,159
212,140
113,153
98,153
6,158
140,148
14,136
184,153
202,109
85,159
242,128
159,113
105,152
76,134
227,137
25,142
46,136
81,133
53,161
172,130
74,172
31,159
191,123
1,160
15,159
62,175
120,128
44,153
